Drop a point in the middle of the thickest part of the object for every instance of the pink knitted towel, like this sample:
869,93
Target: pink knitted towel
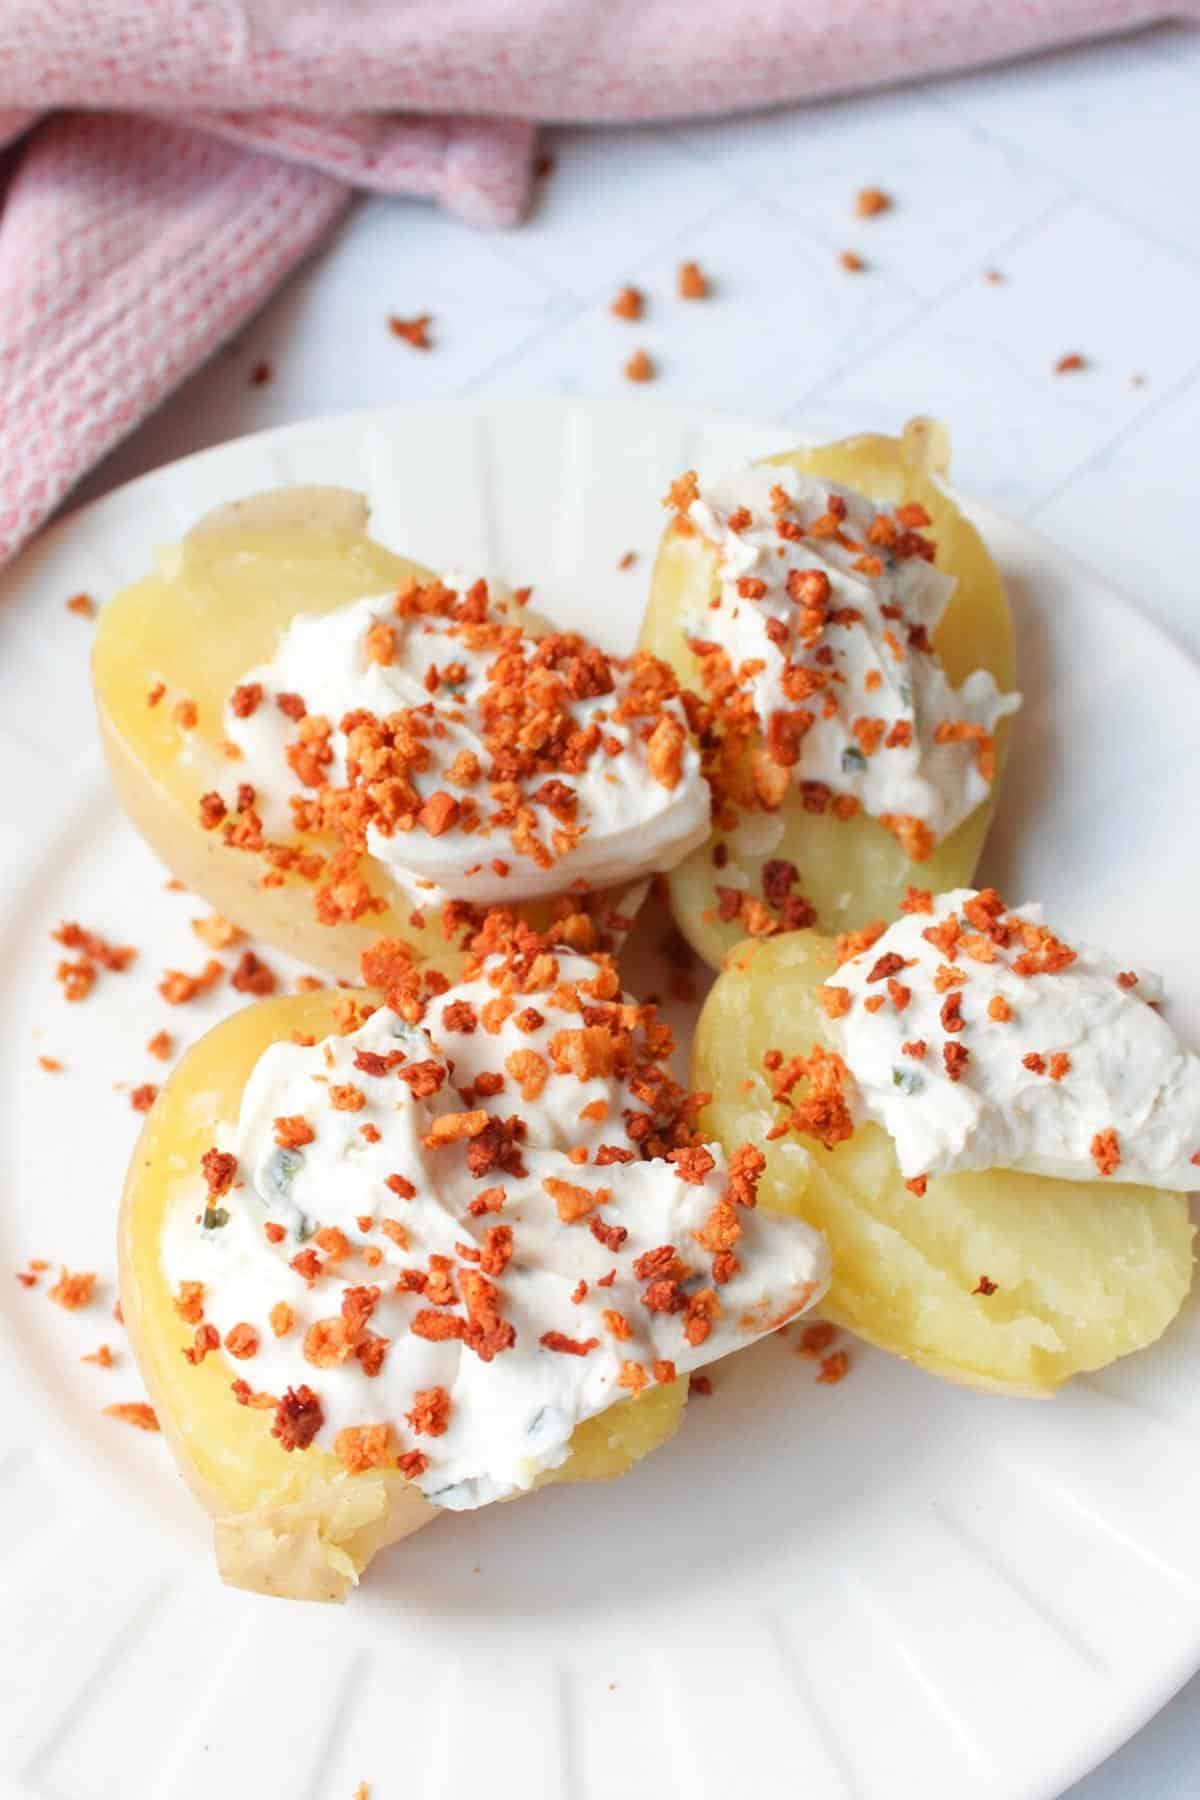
134,239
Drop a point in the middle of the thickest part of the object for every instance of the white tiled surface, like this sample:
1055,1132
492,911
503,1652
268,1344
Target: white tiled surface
1075,176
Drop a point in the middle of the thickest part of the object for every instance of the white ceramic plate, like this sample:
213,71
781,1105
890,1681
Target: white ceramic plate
871,1592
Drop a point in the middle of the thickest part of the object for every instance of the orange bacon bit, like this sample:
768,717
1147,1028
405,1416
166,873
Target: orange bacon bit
691,282
451,1128
281,1318
985,1287
363,1447
297,1419
155,692
999,1009
702,1312
917,1184
1127,979
639,367
189,1302
834,1369
204,1339
212,810
683,492
632,1376
664,753
917,900
379,645
412,1465
491,1200
823,1113
567,1346
816,1339
142,1098
855,943
913,835
579,1293
414,332
161,1045
574,1203
1106,1151
1071,363
629,303
293,1131
102,1357
869,202
430,1414
217,932
178,988
241,1340
916,1048
344,1096
82,605
134,1412
955,1057
327,1343
851,262
73,1291
50,1064
617,1325
497,1249
947,976
186,714
253,976
663,1370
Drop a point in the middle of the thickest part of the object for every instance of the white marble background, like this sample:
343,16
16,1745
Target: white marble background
1077,177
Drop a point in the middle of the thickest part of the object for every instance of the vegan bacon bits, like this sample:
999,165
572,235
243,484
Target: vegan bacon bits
978,1038
413,332
818,669
477,761
532,1193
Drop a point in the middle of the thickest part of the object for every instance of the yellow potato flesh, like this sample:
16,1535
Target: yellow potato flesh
1084,1271
852,871
285,1523
213,610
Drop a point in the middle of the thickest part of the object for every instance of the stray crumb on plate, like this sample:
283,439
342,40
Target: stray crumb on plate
639,367
869,202
414,332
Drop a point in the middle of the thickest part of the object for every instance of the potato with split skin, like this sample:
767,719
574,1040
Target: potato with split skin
1083,1272
852,870
215,608
293,1524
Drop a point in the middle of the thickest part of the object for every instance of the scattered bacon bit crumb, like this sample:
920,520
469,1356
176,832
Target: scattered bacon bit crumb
573,1203
700,1384
155,693
186,713
834,1369
917,1184
241,1340
870,201
415,332
1106,1151
985,1287
639,367
253,976
363,1447
162,1044
73,1291
955,1057
1127,979
51,1065
1070,364
133,1412
629,303
816,1338
692,282
142,1098
102,1357
260,374
177,988
82,605
567,1346
851,262
217,932
1060,1065
627,560
430,1415
298,1418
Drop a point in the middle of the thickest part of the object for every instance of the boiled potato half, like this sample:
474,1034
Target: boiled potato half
851,871
213,609
1083,1272
290,1524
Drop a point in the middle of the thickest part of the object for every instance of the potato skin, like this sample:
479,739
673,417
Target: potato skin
294,1525
851,871
1084,1273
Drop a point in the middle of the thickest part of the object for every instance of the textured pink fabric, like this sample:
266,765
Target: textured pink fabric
134,238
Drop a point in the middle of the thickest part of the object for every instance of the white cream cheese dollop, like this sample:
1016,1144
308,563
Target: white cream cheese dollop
1062,1066
573,1225
627,819
885,726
